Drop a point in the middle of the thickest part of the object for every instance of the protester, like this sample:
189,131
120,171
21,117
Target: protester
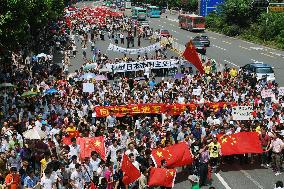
68,115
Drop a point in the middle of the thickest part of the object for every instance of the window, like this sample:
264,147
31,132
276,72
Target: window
264,70
198,20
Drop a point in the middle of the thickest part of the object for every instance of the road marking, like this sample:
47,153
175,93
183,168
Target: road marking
225,184
231,63
164,22
256,48
227,42
174,31
256,61
267,55
219,47
244,48
251,179
213,38
277,54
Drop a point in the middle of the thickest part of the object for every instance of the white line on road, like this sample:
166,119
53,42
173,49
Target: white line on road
245,48
267,55
277,54
257,48
231,63
164,22
225,184
227,42
219,47
251,179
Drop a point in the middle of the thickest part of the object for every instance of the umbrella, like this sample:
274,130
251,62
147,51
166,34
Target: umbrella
88,76
28,94
41,55
51,91
6,85
34,134
89,66
178,76
100,78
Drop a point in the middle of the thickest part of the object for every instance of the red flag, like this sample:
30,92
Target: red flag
162,177
66,140
191,55
240,143
87,145
73,134
176,155
131,173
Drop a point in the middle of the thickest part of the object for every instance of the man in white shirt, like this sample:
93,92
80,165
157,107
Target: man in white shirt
74,148
95,161
77,178
112,150
87,171
111,120
277,145
48,182
132,150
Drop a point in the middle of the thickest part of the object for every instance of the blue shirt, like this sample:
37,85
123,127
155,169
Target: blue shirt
30,182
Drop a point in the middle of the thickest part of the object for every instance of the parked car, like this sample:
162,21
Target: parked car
260,70
203,39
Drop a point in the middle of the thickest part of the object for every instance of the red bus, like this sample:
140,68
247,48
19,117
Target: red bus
191,22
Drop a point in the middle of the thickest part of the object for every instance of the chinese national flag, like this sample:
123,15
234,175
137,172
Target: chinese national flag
191,55
240,143
176,155
73,134
87,145
130,172
162,177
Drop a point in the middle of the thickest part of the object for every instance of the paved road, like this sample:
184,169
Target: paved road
225,50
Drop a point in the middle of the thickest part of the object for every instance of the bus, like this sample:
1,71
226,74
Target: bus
139,13
191,22
153,12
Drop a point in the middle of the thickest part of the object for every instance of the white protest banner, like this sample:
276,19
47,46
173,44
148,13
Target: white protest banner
141,65
242,113
196,92
281,91
142,50
267,93
88,87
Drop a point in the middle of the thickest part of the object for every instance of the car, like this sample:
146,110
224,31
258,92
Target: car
260,70
122,8
203,39
200,48
164,33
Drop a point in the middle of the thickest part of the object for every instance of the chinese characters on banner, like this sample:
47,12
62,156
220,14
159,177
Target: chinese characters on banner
137,66
142,50
154,108
242,113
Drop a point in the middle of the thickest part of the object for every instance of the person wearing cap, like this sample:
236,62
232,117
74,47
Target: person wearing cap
12,180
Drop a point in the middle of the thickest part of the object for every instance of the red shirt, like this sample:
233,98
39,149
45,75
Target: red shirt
14,180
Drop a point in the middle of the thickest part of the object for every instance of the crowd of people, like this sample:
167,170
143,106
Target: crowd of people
49,163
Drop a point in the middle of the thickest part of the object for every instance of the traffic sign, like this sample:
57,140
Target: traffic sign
207,6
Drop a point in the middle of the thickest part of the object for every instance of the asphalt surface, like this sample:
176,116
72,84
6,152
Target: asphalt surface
227,50
224,49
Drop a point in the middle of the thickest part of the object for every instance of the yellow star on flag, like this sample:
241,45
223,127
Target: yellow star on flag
224,140
159,154
97,143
